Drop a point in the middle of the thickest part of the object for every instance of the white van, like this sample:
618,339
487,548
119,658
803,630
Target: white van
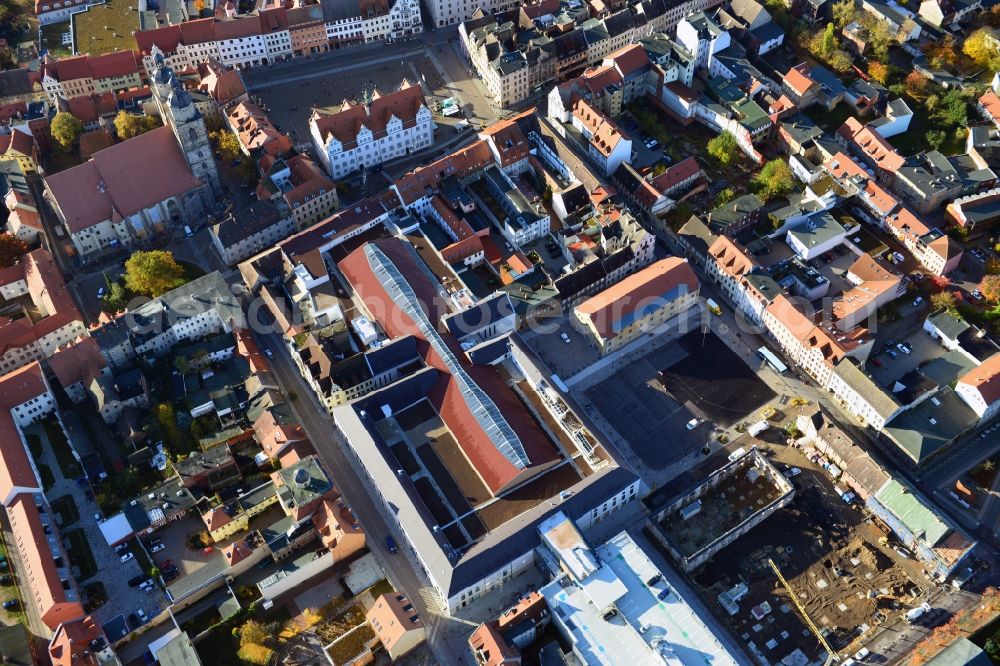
187,230
737,454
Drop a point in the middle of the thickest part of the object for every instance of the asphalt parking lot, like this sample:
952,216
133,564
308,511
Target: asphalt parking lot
923,349
716,382
650,420
564,359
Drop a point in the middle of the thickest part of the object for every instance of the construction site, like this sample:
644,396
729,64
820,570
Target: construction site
840,567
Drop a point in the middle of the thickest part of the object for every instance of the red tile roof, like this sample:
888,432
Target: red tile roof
629,59
81,362
730,259
677,174
508,140
90,108
798,79
871,143
985,378
70,646
841,166
38,568
426,180
345,124
991,105
113,65
447,396
637,292
122,180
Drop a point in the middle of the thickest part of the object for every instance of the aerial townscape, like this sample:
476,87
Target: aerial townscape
492,333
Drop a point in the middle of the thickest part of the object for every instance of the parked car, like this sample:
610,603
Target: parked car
903,552
918,301
903,348
390,543
792,472
976,294
126,557
142,615
121,548
135,581
891,353
157,548
694,423
268,353
6,579
959,581
862,654
565,338
12,605
915,614
100,293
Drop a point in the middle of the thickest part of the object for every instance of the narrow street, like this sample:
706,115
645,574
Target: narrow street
446,635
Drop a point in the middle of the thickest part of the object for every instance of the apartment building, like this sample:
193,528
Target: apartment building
86,75
637,305
299,184
364,135
244,234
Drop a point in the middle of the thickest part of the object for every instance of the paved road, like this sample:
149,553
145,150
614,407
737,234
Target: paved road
446,636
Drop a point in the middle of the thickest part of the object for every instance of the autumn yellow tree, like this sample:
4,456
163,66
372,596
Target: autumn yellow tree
982,49
879,71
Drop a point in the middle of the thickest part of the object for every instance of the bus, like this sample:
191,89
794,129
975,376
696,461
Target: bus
772,360
713,307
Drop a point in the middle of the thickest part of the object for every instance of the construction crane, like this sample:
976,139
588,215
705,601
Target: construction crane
802,611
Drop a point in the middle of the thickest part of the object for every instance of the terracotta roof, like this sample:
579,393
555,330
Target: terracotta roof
307,180
986,379
90,108
239,27
676,174
345,124
426,180
113,65
458,226
255,130
15,467
631,298
991,104
81,362
169,37
122,180
68,69
629,59
392,616
875,281
447,396
798,79
871,143
223,85
803,329
841,166
597,80
730,259
491,648
70,645
508,140
38,568
17,142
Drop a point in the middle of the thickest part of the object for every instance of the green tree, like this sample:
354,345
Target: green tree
12,248
724,197
724,148
843,12
226,143
828,43
115,300
65,128
181,364
953,109
773,180
128,125
153,273
935,138
879,38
